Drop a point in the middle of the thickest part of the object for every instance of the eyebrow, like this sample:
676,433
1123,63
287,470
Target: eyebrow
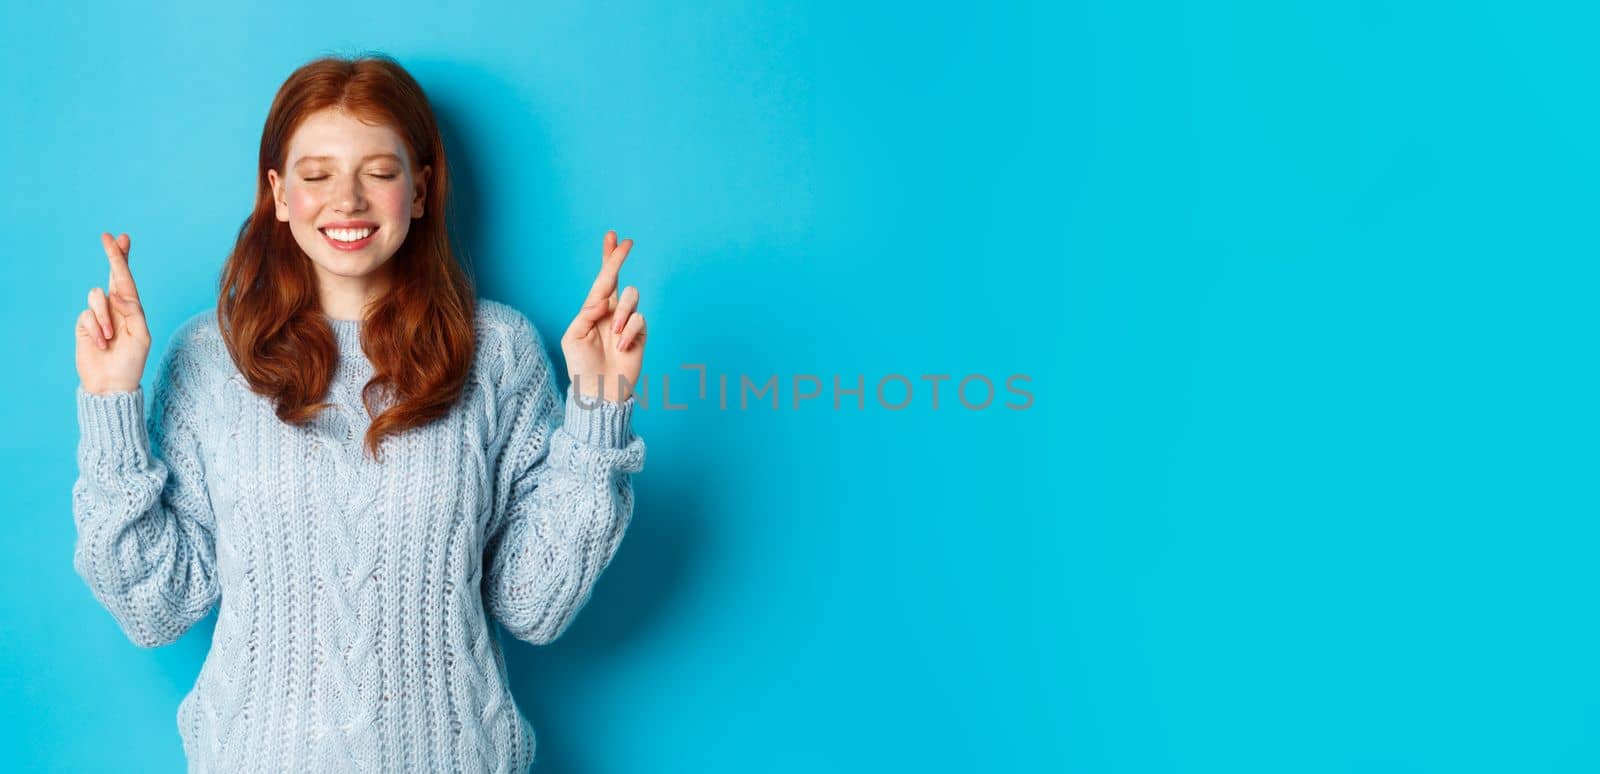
304,159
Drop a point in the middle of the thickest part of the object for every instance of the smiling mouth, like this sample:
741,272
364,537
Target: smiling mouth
344,242
349,236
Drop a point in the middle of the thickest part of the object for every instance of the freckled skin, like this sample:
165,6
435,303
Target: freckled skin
344,187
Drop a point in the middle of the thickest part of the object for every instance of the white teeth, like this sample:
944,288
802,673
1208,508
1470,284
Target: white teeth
348,234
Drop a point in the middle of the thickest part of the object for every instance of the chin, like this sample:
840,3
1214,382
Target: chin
350,265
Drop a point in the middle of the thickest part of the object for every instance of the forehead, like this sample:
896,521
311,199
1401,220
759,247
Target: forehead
342,137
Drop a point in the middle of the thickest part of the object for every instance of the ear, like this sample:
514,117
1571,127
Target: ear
278,201
422,191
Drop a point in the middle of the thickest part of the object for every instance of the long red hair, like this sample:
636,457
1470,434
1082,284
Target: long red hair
419,336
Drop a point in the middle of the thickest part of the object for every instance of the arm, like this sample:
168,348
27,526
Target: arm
563,498
144,522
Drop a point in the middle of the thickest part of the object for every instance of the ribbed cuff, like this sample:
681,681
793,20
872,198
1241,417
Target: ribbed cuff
598,422
111,427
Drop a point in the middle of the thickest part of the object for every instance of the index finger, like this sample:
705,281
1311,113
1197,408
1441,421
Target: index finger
117,254
605,283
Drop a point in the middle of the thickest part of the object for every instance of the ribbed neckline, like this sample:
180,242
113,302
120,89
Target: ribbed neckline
347,333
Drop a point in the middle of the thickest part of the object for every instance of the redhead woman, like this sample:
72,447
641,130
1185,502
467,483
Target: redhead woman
361,465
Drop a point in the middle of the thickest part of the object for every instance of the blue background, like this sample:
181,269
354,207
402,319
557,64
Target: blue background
1306,293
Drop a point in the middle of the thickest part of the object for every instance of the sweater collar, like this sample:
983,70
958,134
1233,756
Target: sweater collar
346,332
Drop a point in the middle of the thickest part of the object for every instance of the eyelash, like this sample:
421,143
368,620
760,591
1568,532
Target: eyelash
325,177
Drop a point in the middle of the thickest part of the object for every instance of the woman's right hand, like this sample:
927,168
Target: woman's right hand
113,340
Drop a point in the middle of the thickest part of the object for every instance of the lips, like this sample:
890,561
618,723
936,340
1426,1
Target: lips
348,246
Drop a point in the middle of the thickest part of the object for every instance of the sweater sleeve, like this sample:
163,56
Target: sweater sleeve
565,498
144,520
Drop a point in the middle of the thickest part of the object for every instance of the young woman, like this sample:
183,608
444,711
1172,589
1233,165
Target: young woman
358,457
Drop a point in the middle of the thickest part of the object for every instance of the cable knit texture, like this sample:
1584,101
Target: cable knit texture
354,630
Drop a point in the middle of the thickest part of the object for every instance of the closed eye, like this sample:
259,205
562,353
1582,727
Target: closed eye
325,177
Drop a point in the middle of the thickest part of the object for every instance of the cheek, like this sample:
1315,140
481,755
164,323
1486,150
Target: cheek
303,203
394,201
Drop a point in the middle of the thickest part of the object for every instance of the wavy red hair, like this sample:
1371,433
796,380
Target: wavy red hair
419,336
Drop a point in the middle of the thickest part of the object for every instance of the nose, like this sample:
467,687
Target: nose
348,197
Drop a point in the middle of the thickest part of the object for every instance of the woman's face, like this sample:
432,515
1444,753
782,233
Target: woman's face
348,195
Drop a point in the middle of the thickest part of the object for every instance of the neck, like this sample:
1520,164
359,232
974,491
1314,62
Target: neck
347,298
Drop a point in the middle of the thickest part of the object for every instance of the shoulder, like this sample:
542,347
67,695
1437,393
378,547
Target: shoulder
503,322
510,349
192,367
196,347
198,330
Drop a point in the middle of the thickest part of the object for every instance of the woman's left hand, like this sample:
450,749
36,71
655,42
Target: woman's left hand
604,345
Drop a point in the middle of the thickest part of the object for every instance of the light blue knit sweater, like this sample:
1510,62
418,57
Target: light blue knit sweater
352,633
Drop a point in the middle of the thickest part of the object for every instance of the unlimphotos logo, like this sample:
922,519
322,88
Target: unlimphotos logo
894,392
